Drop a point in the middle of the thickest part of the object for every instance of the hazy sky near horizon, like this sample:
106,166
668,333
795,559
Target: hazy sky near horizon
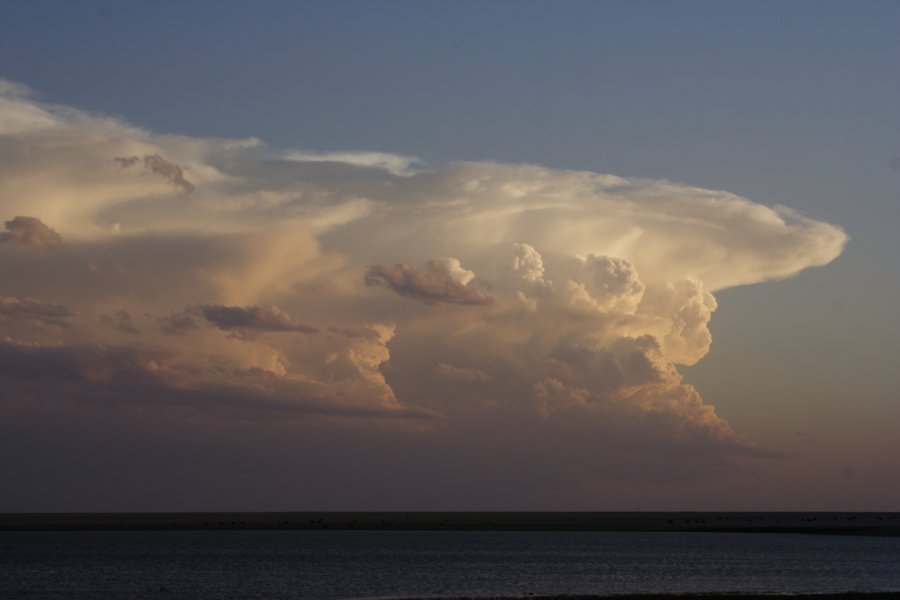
434,255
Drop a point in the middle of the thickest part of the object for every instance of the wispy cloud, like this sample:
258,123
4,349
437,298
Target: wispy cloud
396,164
156,164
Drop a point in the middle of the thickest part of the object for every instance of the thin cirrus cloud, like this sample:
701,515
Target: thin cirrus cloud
550,306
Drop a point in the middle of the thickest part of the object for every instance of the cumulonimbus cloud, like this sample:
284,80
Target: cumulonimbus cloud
570,299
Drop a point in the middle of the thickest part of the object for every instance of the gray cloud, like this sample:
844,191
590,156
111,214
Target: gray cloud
438,283
34,311
140,377
120,321
452,372
177,323
252,318
158,165
30,233
85,363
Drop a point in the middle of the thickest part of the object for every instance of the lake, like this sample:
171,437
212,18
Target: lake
187,565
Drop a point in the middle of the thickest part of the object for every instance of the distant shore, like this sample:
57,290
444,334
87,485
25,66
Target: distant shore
692,596
830,523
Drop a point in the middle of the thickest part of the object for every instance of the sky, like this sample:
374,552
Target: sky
449,255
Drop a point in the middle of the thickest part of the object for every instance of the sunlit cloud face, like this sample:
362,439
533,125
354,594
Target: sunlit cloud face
533,315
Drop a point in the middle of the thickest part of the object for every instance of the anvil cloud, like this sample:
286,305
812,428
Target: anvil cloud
479,304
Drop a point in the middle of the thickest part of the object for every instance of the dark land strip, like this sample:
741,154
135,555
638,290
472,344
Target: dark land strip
692,596
828,523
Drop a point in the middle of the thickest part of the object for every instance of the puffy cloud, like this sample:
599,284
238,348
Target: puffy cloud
685,308
605,284
581,294
30,233
614,283
527,263
443,281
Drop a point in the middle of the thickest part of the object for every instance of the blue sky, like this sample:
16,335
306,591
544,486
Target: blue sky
785,103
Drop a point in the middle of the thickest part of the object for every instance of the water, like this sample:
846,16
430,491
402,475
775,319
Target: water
185,565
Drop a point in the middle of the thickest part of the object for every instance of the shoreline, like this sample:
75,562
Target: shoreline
821,523
684,596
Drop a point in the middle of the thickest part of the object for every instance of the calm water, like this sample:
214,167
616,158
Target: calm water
350,564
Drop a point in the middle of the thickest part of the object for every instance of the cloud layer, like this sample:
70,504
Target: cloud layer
474,304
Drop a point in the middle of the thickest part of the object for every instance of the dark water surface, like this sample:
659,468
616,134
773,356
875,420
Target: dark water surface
363,564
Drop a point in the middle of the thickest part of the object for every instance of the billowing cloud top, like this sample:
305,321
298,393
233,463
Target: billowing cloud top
349,288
